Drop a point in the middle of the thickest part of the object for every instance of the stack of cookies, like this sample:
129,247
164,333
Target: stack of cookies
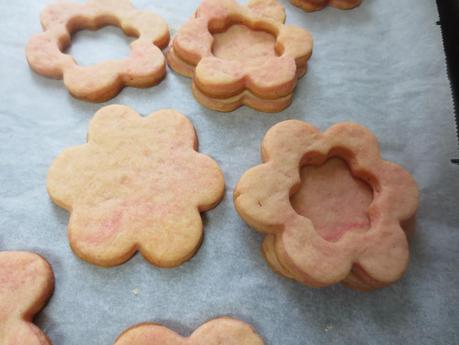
341,217
254,61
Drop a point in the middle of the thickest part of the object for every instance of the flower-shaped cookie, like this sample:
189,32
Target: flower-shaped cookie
239,54
314,5
138,184
337,242
222,331
144,67
26,283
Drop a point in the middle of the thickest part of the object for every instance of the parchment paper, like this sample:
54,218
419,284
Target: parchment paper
381,65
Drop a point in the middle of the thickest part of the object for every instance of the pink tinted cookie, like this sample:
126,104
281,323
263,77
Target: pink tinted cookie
314,5
137,185
332,209
231,50
26,283
144,67
222,331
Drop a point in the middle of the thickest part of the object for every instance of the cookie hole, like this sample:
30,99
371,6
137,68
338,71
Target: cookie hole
90,47
239,42
333,199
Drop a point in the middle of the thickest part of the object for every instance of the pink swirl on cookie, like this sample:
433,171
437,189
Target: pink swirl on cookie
315,5
221,331
220,74
294,247
26,283
144,67
138,184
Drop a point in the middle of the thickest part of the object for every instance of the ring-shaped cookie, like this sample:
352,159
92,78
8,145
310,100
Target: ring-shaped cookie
224,85
362,260
315,5
144,67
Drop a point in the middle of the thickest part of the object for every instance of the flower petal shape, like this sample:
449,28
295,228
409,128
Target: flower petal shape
293,246
221,331
144,67
315,5
259,43
138,184
26,283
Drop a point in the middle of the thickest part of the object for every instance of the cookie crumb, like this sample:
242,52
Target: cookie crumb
135,291
328,328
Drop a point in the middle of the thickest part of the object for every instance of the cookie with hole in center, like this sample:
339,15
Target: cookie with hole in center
332,208
138,184
221,331
143,68
26,283
315,5
241,55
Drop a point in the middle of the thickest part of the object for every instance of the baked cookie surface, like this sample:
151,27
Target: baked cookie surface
315,5
241,55
138,184
143,68
221,331
332,209
26,283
